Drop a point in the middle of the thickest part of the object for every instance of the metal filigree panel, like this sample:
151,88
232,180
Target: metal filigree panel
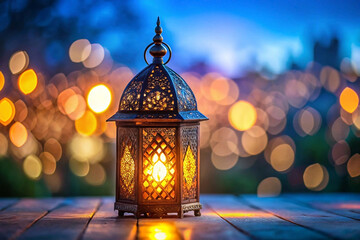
158,93
189,154
130,99
159,164
185,97
128,141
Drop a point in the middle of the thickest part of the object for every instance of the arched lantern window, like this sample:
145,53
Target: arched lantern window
158,156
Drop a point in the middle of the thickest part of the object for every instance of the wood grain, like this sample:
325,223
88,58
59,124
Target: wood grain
107,225
208,226
344,205
257,223
329,224
65,222
292,216
22,215
6,202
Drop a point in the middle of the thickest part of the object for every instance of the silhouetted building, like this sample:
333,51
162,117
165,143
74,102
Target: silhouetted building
327,55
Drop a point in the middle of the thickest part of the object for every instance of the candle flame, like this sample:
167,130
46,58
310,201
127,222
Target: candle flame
159,171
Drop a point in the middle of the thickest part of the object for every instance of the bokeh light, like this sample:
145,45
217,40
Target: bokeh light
32,166
330,78
224,142
75,106
269,187
19,61
340,152
86,149
48,163
353,165
96,175
28,81
282,157
2,80
80,50
307,121
349,100
99,98
7,111
316,177
87,124
53,147
339,130
254,140
4,143
96,56
224,162
242,115
219,89
79,168
21,111
18,134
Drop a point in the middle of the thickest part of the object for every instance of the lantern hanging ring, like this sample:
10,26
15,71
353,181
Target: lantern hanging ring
170,52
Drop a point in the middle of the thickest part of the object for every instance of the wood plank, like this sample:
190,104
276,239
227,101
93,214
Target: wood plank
18,217
343,204
333,226
6,202
208,226
107,225
257,223
68,221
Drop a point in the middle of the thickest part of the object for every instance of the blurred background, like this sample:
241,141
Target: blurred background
279,81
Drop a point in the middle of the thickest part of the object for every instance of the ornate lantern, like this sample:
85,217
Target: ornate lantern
158,156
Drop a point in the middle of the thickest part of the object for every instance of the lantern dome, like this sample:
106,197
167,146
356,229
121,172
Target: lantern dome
158,92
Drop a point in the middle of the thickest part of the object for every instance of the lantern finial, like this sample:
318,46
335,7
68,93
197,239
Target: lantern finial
158,50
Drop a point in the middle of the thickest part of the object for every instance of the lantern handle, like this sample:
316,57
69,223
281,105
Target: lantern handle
170,52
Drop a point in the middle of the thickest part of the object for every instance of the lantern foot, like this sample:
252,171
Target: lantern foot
121,213
197,213
181,214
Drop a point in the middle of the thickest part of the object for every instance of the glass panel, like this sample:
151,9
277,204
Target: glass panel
159,163
189,168
127,170
127,140
189,153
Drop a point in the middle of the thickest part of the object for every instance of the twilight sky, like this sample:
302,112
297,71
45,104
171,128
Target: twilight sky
235,35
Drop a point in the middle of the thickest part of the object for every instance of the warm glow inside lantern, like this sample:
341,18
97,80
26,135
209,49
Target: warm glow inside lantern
157,141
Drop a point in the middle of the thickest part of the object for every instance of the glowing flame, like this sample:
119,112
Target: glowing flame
159,171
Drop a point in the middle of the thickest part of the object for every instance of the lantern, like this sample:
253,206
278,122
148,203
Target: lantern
158,156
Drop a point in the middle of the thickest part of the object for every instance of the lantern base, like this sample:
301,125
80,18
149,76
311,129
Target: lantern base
160,210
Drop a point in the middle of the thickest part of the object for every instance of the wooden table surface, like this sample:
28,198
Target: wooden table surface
292,216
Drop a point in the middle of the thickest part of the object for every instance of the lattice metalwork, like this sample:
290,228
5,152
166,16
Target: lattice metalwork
158,93
128,140
130,99
186,98
189,154
159,164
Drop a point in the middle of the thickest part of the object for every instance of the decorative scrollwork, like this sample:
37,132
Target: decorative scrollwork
191,207
128,141
189,154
